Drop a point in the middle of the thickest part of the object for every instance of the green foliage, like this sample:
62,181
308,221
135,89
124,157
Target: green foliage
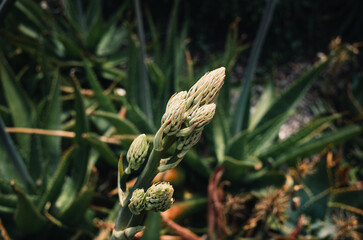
28,219
67,71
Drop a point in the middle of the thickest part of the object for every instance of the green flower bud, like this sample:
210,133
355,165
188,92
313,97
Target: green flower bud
137,201
159,197
176,98
184,144
202,116
137,153
174,113
206,89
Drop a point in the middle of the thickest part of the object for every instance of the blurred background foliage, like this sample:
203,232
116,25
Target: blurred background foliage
80,80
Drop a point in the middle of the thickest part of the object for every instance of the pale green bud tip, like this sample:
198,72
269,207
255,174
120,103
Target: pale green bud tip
206,89
137,152
137,201
174,113
202,116
176,98
159,197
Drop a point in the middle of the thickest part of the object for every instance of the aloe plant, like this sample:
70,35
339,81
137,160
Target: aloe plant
49,184
42,194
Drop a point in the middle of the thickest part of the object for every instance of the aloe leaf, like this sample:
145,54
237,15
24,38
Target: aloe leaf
8,170
237,145
75,15
4,111
156,75
179,59
52,120
237,169
112,73
262,105
94,23
14,156
316,190
123,126
93,12
105,103
106,40
308,130
93,158
36,160
195,163
70,46
33,12
262,137
27,31
232,49
139,119
231,46
248,142
157,53
102,148
144,84
56,183
242,106
5,183
133,74
168,60
27,217
317,144
172,34
351,200
220,133
94,33
8,200
6,210
74,214
111,40
19,104
81,127
265,178
292,96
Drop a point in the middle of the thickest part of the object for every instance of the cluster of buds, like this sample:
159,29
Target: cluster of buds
158,198
187,113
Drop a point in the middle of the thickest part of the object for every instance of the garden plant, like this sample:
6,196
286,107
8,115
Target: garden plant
106,134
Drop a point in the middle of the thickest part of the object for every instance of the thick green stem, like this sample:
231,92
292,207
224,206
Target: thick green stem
143,181
125,218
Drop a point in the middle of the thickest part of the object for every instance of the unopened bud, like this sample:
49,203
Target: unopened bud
159,197
206,89
202,116
184,144
137,153
174,113
137,201
176,98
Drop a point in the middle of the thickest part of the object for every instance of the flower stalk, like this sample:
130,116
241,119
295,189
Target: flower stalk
186,115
